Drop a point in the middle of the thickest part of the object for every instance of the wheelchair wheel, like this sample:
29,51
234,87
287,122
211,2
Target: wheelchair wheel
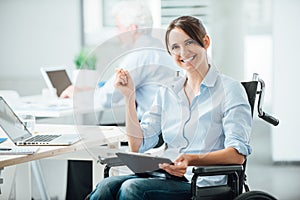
259,195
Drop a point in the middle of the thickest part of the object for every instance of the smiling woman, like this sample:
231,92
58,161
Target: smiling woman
196,126
194,28
187,42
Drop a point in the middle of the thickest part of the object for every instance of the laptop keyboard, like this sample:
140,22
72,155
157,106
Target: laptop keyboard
42,138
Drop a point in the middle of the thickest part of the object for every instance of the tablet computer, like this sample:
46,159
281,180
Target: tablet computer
146,166
56,77
140,163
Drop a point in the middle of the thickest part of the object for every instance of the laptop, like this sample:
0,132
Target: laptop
18,133
56,77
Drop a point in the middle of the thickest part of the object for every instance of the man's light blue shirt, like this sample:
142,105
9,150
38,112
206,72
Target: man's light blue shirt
150,67
217,118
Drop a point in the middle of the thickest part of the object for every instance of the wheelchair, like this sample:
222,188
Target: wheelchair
236,187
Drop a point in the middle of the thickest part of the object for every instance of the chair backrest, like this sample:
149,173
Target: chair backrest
251,90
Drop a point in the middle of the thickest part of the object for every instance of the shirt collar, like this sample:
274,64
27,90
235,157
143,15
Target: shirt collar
209,80
178,83
211,77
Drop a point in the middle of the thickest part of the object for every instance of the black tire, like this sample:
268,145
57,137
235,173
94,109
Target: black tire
259,195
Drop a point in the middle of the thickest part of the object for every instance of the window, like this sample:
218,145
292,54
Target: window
171,9
259,42
99,24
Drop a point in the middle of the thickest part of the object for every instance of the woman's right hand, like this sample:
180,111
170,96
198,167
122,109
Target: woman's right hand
124,82
178,168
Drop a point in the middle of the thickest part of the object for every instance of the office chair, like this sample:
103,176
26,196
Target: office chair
235,173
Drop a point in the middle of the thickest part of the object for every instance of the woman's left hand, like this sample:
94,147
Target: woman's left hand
178,168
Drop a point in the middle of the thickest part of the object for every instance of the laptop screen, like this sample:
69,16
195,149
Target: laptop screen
11,124
59,80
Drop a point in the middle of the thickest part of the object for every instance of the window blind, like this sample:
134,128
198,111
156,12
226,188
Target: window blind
171,9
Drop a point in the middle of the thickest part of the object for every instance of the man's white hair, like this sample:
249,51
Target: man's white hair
134,12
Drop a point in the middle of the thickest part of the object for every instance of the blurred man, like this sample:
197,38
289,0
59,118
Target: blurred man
150,67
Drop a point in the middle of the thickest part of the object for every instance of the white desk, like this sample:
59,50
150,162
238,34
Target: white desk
64,111
42,107
80,111
92,138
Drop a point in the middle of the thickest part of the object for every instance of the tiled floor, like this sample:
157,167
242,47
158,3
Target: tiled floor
280,180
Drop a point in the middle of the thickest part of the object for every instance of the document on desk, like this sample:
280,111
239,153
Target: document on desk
41,108
18,150
58,105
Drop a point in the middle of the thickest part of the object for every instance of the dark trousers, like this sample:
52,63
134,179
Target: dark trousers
79,183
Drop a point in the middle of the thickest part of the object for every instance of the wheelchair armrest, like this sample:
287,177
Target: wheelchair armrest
216,170
111,161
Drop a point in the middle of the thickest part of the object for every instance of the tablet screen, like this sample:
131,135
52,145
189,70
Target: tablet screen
140,163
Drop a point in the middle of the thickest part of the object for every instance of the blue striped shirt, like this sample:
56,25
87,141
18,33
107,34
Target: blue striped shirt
218,117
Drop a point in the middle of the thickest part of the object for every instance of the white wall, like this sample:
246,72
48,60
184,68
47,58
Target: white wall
36,34
286,136
227,36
